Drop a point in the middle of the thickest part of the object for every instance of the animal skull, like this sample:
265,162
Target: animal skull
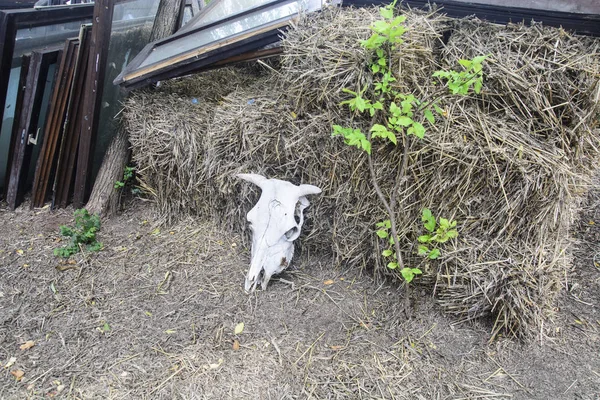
275,222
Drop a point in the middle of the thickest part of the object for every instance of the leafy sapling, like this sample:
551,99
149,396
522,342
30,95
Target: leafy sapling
83,234
438,232
127,175
461,82
383,232
396,117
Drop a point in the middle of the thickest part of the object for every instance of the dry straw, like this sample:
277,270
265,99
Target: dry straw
508,164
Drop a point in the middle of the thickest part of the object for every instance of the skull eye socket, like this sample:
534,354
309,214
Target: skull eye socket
292,232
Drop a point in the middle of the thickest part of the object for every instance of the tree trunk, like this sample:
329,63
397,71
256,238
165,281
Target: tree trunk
168,19
104,199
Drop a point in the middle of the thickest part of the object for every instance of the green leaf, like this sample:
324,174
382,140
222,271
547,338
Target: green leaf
360,104
387,13
416,271
387,253
423,250
366,145
106,327
479,59
375,68
380,26
435,253
430,224
477,86
407,274
453,233
404,121
394,109
438,109
465,63
444,223
429,116
426,214
424,238
419,130
377,105
392,265
382,233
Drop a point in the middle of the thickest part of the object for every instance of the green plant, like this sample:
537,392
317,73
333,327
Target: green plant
396,117
438,232
408,273
127,175
461,82
82,234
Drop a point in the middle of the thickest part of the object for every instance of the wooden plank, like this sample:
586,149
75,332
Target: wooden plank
28,123
25,59
63,182
53,127
100,38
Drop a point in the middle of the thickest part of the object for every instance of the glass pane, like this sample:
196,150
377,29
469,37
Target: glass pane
131,28
226,8
187,15
192,41
41,36
8,119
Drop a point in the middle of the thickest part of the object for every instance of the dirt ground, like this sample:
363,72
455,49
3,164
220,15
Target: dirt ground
152,316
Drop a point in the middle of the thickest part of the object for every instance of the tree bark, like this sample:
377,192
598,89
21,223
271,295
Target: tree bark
104,199
168,19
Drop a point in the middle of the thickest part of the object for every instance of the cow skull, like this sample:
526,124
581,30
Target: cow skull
275,222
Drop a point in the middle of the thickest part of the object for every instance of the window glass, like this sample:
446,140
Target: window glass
226,8
130,32
8,119
192,41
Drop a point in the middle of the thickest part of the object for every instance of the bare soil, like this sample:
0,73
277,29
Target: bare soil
152,316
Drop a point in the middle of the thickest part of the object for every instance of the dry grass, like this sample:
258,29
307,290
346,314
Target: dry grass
509,164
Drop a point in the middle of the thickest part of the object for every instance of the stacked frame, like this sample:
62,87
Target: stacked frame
13,21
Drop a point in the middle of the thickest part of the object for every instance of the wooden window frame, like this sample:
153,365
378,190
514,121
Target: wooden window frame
13,20
26,126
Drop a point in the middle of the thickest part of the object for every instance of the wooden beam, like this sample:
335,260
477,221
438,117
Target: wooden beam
67,156
100,38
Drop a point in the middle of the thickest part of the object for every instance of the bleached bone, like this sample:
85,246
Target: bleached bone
275,222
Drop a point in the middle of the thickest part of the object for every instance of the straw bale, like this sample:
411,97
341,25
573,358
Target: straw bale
509,165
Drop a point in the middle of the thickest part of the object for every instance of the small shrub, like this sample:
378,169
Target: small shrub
83,234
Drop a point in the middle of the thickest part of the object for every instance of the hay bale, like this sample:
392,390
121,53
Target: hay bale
167,126
509,164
